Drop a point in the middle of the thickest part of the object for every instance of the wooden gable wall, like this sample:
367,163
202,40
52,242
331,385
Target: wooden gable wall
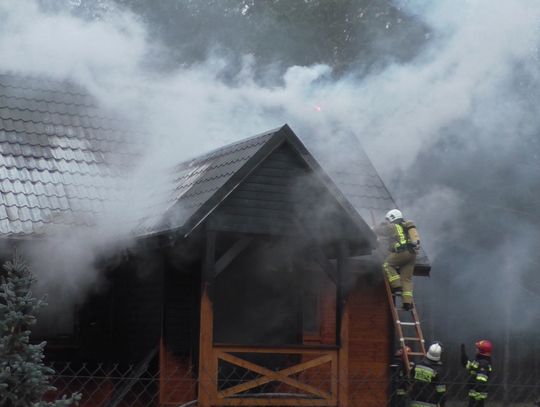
274,198
263,202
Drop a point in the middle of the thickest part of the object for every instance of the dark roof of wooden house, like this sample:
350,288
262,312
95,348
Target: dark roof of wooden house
201,184
61,155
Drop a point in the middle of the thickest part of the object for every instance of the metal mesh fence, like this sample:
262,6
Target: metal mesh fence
112,385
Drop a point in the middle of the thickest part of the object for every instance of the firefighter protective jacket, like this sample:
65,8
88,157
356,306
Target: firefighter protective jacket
400,380
427,386
479,371
401,236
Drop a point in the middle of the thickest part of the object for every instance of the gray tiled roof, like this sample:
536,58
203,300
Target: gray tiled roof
363,187
191,184
56,150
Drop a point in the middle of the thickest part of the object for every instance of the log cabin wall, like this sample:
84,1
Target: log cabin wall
370,336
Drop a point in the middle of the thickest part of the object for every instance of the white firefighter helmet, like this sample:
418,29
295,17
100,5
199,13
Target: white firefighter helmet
434,352
393,215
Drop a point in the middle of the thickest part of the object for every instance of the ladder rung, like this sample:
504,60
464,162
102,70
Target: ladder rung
416,354
413,339
408,323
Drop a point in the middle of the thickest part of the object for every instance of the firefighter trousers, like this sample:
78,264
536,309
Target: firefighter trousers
404,262
475,403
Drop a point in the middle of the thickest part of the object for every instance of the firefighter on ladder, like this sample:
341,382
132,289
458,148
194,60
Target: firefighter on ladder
427,390
479,370
403,245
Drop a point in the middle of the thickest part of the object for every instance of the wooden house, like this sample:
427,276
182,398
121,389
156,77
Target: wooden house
252,284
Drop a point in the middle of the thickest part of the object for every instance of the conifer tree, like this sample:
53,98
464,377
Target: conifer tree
24,378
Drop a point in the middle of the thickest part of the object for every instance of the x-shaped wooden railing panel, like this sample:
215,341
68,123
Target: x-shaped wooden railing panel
311,395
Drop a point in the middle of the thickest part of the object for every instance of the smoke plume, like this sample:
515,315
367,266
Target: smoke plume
452,129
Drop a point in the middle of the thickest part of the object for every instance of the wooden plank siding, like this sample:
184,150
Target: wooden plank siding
177,383
274,198
370,342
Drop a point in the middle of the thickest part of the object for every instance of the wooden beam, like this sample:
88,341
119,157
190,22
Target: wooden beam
342,326
207,362
275,401
341,272
343,370
280,349
334,378
226,259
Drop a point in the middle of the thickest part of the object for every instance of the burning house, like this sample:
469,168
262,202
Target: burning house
251,281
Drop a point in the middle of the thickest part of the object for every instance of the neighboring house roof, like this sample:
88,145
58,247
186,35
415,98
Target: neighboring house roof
56,155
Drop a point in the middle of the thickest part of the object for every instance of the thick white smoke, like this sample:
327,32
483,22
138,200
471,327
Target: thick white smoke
465,77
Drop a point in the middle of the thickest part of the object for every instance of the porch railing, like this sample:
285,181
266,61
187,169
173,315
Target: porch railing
282,376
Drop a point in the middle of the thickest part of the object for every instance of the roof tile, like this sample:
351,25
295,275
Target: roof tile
12,212
5,227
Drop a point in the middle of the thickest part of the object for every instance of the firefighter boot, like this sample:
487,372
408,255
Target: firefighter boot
407,306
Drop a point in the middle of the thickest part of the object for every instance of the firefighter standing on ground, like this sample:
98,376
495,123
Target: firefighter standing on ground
479,370
427,390
400,379
403,244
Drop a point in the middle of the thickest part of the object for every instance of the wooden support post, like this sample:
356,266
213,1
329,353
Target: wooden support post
207,389
342,324
341,275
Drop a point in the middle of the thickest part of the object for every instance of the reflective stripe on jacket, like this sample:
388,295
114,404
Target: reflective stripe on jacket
427,387
479,371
